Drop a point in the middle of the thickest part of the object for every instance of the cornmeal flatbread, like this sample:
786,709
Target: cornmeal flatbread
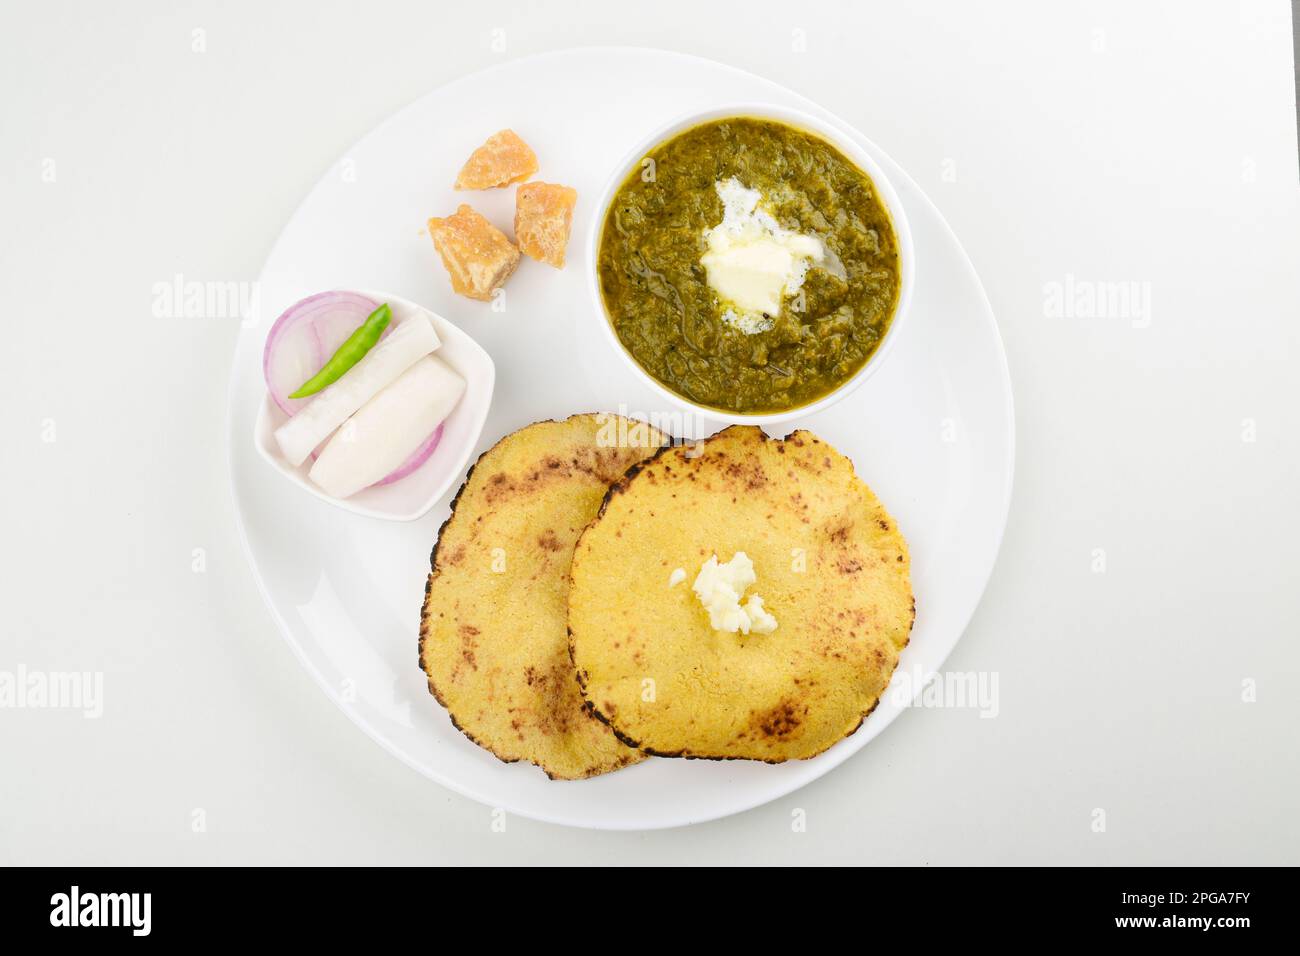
492,636
543,218
478,256
831,567
502,160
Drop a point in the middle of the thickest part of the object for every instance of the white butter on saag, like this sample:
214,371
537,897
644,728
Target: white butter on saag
752,262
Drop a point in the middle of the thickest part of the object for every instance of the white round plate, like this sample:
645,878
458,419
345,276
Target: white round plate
932,432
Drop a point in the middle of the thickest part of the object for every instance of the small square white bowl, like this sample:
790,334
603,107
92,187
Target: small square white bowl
414,495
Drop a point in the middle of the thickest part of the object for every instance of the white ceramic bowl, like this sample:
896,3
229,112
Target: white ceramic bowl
414,495
834,135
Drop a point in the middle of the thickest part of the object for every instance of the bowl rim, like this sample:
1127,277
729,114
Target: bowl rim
264,442
839,135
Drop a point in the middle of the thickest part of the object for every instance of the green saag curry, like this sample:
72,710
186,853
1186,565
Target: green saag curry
669,318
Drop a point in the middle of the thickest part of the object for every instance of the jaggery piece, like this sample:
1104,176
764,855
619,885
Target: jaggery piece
543,217
478,256
502,160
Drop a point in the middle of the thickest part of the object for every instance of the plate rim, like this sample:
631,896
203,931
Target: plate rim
828,760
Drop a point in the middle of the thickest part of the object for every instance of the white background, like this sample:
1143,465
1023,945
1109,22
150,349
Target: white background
1107,142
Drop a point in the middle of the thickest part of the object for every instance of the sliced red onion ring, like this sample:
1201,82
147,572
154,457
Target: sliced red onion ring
304,337
302,340
418,458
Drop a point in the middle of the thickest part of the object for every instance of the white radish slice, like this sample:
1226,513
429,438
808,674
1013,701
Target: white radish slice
388,428
411,340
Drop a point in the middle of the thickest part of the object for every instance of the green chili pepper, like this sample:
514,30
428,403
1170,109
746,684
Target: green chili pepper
350,352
